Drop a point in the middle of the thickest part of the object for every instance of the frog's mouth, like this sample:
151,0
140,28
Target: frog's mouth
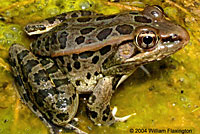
168,44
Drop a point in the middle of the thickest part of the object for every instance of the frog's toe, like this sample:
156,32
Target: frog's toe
145,70
120,119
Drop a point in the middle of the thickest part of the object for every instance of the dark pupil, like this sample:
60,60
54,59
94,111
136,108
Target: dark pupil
147,40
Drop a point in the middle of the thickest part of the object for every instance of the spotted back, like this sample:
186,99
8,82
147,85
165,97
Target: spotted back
88,33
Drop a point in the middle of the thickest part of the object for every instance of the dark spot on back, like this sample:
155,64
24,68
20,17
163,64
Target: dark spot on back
124,29
104,34
86,30
85,13
142,19
106,17
77,65
61,17
75,57
63,39
64,25
84,19
51,20
105,49
85,55
74,15
95,59
80,39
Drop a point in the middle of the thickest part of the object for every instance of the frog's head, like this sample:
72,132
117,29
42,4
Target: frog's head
154,38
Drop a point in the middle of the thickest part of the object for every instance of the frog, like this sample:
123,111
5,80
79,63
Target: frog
83,52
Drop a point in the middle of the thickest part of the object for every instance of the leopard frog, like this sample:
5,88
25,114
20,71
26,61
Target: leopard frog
82,52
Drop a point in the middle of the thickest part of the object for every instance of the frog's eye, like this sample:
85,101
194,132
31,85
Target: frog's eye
146,40
155,12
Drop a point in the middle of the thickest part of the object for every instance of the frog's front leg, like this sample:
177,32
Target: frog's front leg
49,23
44,89
99,104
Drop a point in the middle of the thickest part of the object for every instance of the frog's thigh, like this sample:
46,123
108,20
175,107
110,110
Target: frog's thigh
99,102
49,23
38,90
22,86
15,60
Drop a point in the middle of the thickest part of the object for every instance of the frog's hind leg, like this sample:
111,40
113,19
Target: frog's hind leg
44,89
22,87
46,25
99,104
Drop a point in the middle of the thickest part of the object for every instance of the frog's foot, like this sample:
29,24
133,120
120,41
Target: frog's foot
145,70
120,119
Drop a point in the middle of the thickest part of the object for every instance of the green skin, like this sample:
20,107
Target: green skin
82,52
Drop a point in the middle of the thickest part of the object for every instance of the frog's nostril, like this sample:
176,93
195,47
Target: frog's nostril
174,36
